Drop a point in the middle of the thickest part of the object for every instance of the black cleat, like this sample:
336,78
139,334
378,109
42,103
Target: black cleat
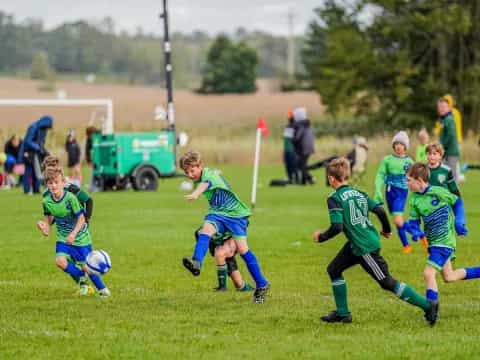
431,315
260,293
334,317
192,265
219,289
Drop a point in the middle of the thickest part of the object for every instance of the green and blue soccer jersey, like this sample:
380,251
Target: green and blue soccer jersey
221,198
392,173
66,212
434,208
442,176
350,207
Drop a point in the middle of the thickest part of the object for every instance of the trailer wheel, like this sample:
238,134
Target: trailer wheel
145,179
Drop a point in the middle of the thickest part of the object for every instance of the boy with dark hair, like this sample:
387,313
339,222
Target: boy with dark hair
441,211
348,209
227,213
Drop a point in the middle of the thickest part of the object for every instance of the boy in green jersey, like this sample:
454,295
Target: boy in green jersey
73,238
440,174
227,213
442,214
391,175
348,209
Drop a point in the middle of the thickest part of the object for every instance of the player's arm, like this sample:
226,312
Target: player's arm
452,184
201,188
80,222
379,211
413,224
336,222
380,181
44,225
84,200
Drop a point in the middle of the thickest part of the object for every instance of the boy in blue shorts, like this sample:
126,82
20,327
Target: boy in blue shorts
391,175
73,238
442,214
227,213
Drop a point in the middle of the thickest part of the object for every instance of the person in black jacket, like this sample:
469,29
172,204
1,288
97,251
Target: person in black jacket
304,142
73,155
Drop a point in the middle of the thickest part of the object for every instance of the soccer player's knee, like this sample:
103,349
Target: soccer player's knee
398,220
388,284
333,272
449,277
231,265
208,229
61,262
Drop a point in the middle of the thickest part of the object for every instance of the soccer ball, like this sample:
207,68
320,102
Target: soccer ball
98,262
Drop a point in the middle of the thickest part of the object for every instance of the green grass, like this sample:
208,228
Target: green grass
159,311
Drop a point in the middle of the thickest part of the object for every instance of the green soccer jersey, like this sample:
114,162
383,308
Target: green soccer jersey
434,208
442,176
221,198
350,208
66,212
392,172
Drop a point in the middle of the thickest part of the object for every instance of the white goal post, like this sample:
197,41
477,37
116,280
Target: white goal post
107,126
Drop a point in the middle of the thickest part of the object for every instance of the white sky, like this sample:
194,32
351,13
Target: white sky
212,16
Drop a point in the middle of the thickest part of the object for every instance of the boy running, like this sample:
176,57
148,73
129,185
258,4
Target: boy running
73,238
391,174
226,213
348,209
441,213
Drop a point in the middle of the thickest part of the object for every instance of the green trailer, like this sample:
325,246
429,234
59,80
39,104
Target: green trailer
121,160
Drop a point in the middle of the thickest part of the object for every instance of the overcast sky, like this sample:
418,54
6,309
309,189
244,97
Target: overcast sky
213,16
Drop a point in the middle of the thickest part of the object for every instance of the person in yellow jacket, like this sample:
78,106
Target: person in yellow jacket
457,117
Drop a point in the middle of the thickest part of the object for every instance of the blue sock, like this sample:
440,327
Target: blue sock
402,233
254,269
73,271
97,281
201,248
472,273
432,295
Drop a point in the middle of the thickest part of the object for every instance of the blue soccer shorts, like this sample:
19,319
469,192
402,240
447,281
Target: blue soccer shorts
439,255
396,199
236,226
78,254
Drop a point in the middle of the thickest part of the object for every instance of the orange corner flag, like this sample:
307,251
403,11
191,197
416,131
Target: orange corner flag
262,125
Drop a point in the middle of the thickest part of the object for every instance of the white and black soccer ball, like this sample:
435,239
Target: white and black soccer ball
98,262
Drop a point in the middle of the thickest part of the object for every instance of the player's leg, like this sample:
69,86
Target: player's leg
80,256
451,275
376,266
63,252
223,252
344,260
396,200
209,228
236,276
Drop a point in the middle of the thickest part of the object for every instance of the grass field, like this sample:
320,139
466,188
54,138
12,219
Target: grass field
159,311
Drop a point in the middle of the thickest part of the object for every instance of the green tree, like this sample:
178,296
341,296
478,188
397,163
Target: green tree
40,69
230,68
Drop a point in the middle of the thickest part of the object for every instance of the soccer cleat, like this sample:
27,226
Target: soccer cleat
104,293
192,265
407,249
246,287
85,289
220,289
424,243
431,315
334,317
260,293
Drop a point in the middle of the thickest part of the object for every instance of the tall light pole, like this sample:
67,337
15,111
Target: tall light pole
167,49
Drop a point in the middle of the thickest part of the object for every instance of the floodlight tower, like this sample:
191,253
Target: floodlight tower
168,68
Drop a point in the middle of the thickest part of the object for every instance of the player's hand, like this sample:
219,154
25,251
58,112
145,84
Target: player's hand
316,235
43,227
191,196
70,238
386,235
461,229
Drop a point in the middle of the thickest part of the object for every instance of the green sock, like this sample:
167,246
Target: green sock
339,287
222,276
406,293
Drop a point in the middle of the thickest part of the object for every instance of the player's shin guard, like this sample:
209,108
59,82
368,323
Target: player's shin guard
97,281
472,273
254,269
406,293
402,234
222,276
73,271
201,248
339,287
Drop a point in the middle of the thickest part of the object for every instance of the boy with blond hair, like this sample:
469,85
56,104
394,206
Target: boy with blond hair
227,213
348,209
